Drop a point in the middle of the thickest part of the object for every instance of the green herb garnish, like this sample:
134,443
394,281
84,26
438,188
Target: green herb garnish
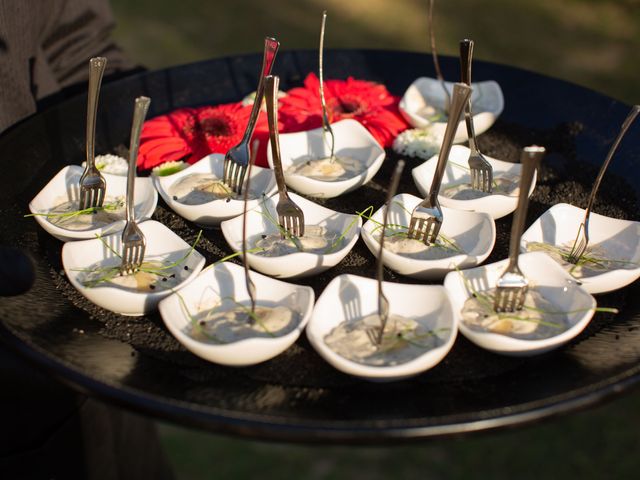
588,259
398,230
106,274
106,207
487,300
198,324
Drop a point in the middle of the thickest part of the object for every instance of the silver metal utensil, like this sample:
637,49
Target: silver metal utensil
237,158
426,218
133,241
436,62
481,169
326,124
383,302
92,184
251,287
290,215
512,285
582,239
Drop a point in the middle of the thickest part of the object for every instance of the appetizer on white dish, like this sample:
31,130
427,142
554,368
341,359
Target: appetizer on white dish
56,206
456,191
328,238
465,240
612,259
309,169
93,268
198,194
212,316
423,106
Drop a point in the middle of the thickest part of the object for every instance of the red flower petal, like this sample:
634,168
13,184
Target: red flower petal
367,102
193,133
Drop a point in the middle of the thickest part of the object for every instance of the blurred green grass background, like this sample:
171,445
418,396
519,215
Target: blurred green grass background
589,42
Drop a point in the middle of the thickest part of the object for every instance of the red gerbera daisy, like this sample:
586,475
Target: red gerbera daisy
191,133
367,102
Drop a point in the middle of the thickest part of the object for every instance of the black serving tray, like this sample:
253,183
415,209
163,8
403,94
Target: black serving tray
136,363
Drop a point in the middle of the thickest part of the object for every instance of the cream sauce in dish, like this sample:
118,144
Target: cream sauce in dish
235,324
63,216
410,247
316,239
593,262
432,114
152,276
507,184
538,319
328,170
199,188
403,340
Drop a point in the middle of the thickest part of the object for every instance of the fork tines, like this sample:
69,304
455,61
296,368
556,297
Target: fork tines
374,334
481,174
580,244
291,220
133,249
424,229
234,170
92,190
511,291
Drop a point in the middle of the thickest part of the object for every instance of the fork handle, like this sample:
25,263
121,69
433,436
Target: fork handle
434,55
623,130
530,159
97,66
466,59
383,303
139,113
271,96
271,46
326,125
461,94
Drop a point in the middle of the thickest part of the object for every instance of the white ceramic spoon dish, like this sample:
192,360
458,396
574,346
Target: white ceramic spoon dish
349,298
352,142
164,248
64,187
468,236
424,93
547,278
223,286
614,246
263,219
211,213
457,175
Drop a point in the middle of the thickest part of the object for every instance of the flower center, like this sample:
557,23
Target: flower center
349,106
216,126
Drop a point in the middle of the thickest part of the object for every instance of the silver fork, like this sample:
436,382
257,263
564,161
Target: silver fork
251,287
512,285
582,239
326,125
290,215
92,184
436,63
481,170
426,218
375,333
237,158
133,241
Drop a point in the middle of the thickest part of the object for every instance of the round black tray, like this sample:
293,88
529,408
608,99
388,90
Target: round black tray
136,363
